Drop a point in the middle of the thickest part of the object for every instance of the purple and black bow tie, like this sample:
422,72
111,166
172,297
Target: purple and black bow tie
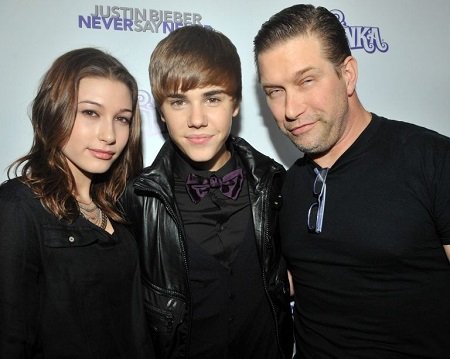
230,185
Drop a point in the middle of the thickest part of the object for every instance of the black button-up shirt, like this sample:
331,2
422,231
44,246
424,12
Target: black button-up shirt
217,222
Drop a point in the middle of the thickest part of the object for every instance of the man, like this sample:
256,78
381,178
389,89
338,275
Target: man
365,222
205,214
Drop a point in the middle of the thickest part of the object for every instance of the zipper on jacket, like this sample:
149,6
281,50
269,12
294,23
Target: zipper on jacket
173,215
168,316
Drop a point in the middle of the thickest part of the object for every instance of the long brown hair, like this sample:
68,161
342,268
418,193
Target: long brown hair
45,169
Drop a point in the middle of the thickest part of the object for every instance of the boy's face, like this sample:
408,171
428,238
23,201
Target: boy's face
199,123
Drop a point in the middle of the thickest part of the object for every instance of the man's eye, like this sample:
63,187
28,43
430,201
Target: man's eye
273,92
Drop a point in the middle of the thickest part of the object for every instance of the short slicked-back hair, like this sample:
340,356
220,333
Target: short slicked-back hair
194,57
305,20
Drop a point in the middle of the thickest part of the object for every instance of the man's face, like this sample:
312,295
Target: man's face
199,123
307,98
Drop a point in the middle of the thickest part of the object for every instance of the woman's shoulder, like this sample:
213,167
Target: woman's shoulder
16,191
20,209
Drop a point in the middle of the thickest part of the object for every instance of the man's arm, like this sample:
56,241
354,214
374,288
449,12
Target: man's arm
447,251
291,283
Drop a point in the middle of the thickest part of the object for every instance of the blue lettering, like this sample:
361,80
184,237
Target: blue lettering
366,38
118,24
107,22
113,21
84,21
168,26
362,37
378,41
96,22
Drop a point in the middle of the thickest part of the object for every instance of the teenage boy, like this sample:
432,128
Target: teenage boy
205,213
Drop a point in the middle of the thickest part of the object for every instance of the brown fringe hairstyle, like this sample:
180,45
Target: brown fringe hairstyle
191,57
45,169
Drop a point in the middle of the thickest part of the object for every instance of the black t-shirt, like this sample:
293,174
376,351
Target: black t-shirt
376,282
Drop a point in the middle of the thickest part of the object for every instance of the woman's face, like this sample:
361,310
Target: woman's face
101,129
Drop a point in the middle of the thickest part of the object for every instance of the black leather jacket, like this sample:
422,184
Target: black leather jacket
149,204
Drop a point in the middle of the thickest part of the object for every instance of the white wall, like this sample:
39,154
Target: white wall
410,81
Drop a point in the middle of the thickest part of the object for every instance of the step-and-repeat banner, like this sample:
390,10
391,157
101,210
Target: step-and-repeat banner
402,48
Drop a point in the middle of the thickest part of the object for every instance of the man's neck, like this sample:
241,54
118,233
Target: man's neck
357,121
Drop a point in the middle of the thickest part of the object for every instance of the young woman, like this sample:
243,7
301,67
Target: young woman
69,275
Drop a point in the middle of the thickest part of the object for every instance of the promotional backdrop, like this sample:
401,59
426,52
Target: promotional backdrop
402,48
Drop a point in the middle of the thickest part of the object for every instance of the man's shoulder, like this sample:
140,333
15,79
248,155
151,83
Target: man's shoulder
411,142
406,129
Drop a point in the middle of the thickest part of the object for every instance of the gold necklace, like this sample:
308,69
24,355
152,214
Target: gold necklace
93,214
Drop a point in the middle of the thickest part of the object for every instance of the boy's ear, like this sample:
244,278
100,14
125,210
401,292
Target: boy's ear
161,116
236,110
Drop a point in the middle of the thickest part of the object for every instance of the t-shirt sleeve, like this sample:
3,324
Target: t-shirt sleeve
442,189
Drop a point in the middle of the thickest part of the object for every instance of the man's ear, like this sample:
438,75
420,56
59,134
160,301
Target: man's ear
350,74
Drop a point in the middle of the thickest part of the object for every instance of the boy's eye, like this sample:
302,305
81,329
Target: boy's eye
213,100
176,103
